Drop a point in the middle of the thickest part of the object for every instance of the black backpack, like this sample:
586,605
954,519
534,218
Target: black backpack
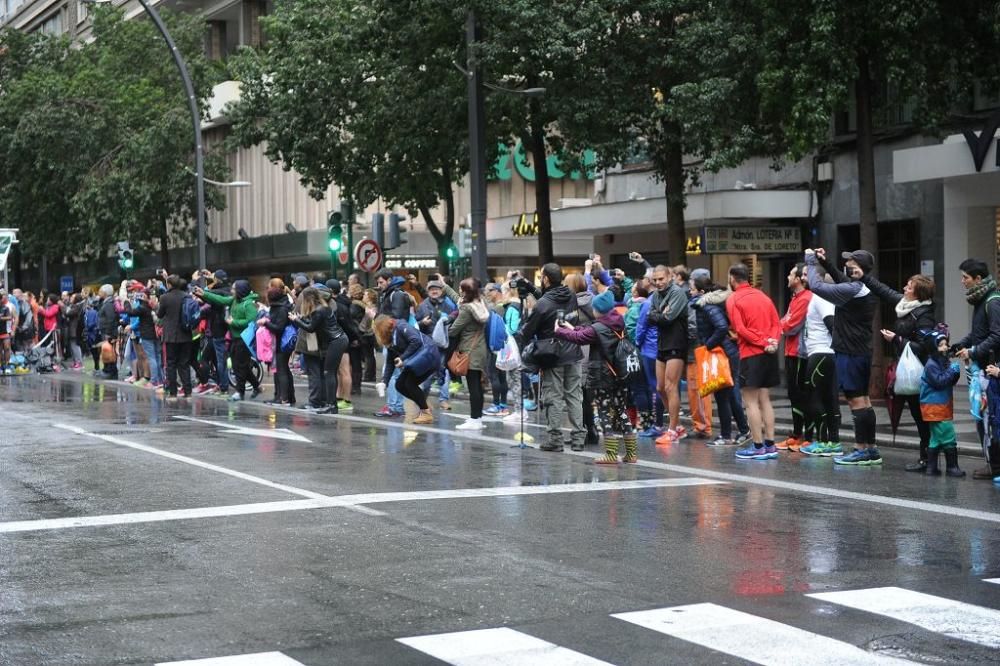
623,361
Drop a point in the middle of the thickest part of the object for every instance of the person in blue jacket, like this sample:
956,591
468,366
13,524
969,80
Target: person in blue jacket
937,402
414,355
713,331
646,340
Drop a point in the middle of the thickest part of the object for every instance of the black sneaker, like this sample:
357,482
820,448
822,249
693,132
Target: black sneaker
254,393
556,448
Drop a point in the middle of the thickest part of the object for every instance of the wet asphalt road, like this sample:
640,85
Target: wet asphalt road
131,536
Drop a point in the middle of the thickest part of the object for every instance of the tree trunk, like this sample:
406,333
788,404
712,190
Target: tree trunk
674,186
165,246
868,209
543,206
442,241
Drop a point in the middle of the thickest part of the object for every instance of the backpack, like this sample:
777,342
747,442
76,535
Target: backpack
496,332
623,361
27,317
190,314
91,326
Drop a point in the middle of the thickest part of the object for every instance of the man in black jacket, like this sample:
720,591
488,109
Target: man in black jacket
107,320
561,384
982,344
176,339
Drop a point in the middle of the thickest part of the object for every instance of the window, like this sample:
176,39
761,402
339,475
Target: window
53,25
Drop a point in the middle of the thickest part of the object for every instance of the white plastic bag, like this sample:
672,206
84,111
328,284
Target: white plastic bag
440,334
909,370
509,358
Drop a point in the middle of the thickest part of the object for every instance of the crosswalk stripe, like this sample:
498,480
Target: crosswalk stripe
992,580
750,637
497,647
944,616
258,659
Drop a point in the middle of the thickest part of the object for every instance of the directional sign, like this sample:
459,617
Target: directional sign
232,429
368,255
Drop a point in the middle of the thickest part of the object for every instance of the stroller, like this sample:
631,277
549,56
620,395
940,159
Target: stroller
41,357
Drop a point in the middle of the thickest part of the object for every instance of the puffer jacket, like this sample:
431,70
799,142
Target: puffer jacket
936,391
632,317
418,352
469,329
647,336
713,323
394,302
598,373
541,322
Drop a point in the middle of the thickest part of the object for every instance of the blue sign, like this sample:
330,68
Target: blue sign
66,283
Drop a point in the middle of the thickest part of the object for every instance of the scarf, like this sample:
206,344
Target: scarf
905,307
978,292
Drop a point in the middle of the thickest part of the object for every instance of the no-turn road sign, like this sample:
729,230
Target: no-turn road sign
368,255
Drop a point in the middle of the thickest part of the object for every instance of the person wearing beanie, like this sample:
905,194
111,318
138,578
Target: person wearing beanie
277,322
937,402
242,306
603,337
176,339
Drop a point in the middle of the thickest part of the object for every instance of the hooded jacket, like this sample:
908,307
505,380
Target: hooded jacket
394,302
855,304
418,352
598,374
541,322
713,322
469,328
242,310
647,337
936,392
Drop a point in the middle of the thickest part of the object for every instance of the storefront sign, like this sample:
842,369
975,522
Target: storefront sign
693,245
751,240
518,157
408,262
523,228
980,145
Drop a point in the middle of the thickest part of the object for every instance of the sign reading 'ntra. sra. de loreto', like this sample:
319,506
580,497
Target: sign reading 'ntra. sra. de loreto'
751,240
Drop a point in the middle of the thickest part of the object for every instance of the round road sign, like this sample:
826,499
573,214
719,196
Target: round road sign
368,255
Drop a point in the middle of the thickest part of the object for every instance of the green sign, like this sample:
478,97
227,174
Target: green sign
6,242
519,157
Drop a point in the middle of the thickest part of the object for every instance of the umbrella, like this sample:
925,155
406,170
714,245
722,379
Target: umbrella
893,402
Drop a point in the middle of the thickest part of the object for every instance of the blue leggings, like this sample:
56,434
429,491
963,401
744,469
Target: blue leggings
649,367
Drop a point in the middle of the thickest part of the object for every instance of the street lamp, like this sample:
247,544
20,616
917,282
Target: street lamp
199,152
235,183
477,142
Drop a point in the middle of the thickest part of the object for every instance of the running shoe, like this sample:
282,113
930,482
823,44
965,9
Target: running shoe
744,438
651,432
454,387
200,388
345,406
471,424
387,412
139,383
721,441
234,397
668,437
492,410
530,405
749,452
874,457
788,444
770,453
211,390
798,445
822,449
855,457
702,434
681,432
513,417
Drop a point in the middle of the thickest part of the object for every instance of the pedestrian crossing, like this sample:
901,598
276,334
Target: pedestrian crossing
717,628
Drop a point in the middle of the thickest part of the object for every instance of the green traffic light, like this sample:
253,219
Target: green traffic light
451,252
127,264
336,245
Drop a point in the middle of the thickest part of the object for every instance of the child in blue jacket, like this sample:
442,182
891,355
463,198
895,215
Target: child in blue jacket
936,402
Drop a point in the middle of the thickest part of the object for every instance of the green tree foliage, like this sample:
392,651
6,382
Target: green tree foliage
364,95
95,138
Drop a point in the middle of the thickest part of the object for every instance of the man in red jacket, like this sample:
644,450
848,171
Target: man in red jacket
755,321
795,363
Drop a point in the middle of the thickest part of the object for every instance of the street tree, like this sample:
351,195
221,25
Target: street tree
822,56
364,95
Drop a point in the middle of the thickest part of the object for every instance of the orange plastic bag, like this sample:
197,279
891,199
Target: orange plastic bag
713,370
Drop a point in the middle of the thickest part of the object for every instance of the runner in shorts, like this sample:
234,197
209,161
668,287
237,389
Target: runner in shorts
854,313
755,322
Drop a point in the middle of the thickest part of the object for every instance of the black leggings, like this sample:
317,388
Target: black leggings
331,366
823,409
284,388
408,385
475,381
795,376
242,360
913,402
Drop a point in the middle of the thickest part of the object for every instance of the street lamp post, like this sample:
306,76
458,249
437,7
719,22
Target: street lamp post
199,153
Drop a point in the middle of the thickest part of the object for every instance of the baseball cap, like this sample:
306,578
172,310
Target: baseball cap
435,283
863,258
493,286
221,275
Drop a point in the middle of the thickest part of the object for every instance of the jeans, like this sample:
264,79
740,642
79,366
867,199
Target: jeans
392,397
152,350
219,345
76,351
562,394
443,379
498,382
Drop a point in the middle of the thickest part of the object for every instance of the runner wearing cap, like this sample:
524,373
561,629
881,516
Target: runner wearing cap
852,342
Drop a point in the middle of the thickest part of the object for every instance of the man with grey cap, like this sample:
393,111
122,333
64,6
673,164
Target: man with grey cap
854,313
430,310
217,329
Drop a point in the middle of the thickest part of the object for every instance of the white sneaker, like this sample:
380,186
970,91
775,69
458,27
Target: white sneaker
513,417
471,424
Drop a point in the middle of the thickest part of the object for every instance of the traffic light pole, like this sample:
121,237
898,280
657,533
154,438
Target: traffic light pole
347,212
477,149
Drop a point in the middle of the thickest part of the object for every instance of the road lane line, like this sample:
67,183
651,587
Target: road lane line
750,637
338,501
497,647
204,465
259,659
992,580
955,619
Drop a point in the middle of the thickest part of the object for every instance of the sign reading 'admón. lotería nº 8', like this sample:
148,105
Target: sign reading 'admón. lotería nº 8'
751,240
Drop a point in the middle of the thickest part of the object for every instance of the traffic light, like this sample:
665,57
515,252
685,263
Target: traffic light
335,232
465,242
378,229
395,234
451,252
126,259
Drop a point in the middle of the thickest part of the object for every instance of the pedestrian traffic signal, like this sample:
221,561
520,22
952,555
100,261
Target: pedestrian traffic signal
465,242
335,232
126,259
395,234
451,252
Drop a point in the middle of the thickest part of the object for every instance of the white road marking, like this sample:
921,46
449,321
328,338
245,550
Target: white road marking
992,580
497,647
232,429
259,659
956,619
340,501
750,637
204,465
